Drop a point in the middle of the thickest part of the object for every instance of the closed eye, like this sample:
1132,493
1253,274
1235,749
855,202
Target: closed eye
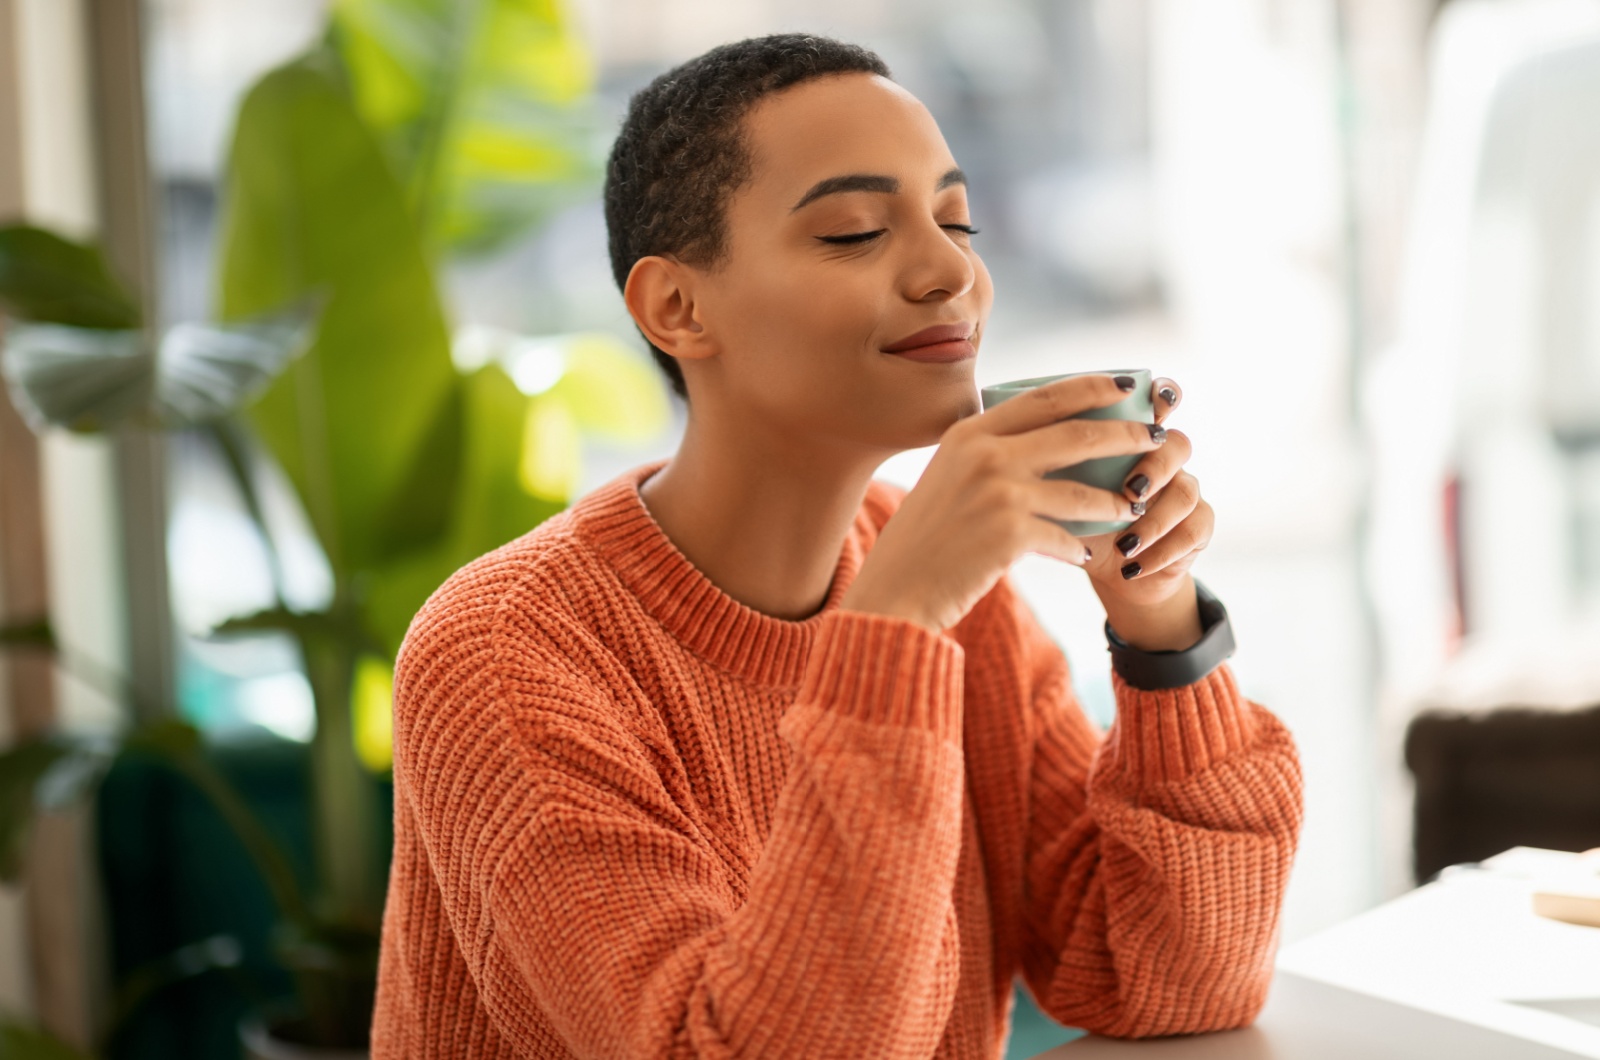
862,237
854,237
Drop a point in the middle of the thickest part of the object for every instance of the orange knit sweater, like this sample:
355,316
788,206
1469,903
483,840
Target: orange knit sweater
635,818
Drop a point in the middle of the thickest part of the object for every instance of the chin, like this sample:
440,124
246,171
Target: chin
964,402
942,412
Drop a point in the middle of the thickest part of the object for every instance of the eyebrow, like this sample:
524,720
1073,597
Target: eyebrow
869,182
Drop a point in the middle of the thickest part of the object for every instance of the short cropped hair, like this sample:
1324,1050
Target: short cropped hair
681,152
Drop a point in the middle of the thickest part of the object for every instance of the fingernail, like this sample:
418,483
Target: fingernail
1127,543
1158,433
1130,569
1087,554
1169,395
1138,484
1124,382
1138,507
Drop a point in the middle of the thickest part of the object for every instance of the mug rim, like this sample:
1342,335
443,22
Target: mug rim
1038,381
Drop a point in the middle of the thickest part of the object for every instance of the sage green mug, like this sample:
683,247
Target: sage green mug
1108,473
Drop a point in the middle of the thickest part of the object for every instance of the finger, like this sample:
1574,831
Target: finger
1180,545
1176,549
1165,394
1180,566
1052,402
1169,508
1073,441
1151,474
1051,539
1060,498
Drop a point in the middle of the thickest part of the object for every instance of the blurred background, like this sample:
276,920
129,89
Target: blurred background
1364,235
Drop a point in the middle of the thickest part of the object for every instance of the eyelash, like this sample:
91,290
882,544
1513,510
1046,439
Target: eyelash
862,237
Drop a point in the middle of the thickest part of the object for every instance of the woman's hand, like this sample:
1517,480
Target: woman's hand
977,507
1142,573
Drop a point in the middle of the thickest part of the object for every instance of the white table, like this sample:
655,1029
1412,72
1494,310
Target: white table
1306,1019
1460,968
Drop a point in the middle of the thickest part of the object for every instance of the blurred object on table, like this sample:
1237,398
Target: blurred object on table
1510,775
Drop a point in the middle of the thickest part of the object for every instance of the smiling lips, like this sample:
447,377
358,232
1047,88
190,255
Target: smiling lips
943,343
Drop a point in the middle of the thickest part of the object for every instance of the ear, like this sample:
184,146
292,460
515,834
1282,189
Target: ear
660,295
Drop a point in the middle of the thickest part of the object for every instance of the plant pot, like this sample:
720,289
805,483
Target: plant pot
263,1039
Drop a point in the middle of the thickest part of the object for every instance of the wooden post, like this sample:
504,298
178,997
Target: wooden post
116,54
52,960
26,700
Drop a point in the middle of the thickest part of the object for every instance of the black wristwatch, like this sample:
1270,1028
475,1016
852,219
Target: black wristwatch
1153,670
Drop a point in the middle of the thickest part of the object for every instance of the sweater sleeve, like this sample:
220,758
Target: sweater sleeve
1156,856
576,882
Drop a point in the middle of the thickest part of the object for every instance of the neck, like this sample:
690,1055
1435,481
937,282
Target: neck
763,517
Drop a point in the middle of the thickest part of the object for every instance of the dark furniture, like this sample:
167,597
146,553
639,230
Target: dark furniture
174,874
1490,780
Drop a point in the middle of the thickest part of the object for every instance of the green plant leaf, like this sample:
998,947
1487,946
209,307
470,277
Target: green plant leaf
611,391
21,768
552,449
585,383
493,508
419,510
312,205
206,372
43,773
167,738
28,633
80,378
372,710
91,380
486,107
302,625
49,279
490,509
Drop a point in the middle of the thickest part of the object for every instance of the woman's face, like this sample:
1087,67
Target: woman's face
799,323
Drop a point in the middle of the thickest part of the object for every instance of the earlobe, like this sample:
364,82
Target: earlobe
660,295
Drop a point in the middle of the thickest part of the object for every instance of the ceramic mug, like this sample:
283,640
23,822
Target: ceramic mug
1107,473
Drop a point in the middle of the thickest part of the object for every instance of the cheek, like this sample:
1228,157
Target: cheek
983,287
804,323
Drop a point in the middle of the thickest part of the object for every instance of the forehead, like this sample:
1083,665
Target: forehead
848,123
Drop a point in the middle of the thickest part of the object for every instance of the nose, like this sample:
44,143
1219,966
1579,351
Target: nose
936,269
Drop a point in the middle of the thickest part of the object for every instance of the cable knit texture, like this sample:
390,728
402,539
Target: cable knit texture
637,819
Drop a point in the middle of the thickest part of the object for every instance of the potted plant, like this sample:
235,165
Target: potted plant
414,132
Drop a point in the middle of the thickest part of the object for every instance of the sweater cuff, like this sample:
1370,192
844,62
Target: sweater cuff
1167,735
888,670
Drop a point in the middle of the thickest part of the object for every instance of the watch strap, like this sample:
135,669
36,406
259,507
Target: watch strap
1155,670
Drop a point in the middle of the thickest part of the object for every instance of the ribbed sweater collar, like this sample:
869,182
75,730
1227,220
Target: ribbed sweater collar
613,520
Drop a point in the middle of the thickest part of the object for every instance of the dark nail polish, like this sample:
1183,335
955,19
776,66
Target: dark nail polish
1158,433
1138,507
1127,543
1129,570
1169,395
1139,484
1124,382
1087,554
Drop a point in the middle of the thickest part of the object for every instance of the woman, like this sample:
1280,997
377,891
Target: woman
748,754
